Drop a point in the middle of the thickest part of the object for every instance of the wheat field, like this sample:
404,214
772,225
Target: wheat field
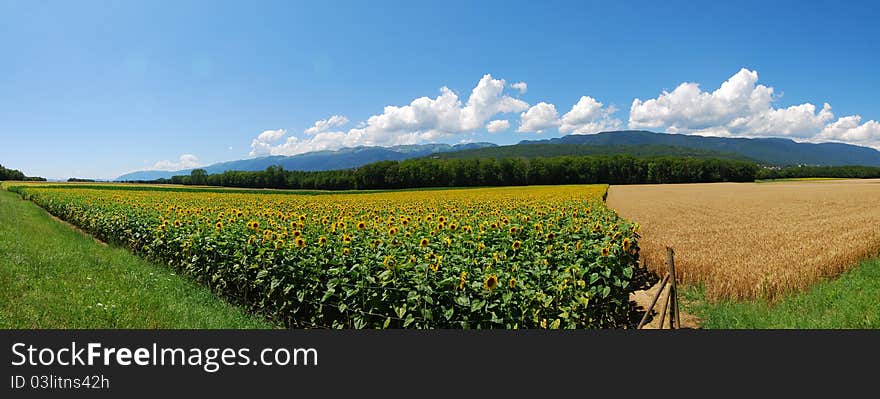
754,240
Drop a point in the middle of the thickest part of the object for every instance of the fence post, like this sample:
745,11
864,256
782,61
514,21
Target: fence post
673,293
653,302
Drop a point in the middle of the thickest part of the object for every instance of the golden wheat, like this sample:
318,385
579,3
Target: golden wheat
754,240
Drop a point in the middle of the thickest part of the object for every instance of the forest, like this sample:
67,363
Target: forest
13,174
429,172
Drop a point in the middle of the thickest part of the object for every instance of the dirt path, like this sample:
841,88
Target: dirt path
643,300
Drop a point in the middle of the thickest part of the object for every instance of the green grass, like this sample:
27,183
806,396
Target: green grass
52,276
849,301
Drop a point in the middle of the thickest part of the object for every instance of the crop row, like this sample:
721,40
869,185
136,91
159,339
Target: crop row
525,257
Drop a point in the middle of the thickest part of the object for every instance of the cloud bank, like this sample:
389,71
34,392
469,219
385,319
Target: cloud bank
741,107
185,161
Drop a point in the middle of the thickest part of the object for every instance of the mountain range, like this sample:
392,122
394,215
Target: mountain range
344,158
769,151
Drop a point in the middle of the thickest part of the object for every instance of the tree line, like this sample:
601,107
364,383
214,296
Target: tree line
794,172
14,174
428,172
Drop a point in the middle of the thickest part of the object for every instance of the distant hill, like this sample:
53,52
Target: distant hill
554,150
775,151
345,158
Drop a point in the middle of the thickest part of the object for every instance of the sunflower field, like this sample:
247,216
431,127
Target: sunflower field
514,257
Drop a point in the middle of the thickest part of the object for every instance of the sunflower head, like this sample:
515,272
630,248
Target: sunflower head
361,225
346,251
219,225
626,244
300,242
388,262
491,282
605,251
322,240
512,282
551,236
423,242
516,245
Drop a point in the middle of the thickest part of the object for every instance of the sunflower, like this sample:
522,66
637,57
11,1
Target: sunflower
361,225
462,280
252,239
491,282
453,226
392,231
279,244
626,244
346,251
176,223
300,242
388,262
551,236
448,241
423,242
513,230
481,246
512,282
346,238
605,251
322,240
219,225
516,245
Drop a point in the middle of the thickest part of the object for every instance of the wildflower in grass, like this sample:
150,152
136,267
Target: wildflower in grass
491,282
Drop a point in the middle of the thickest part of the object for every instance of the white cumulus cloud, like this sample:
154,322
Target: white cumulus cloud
423,120
185,161
741,107
849,129
497,126
589,116
538,118
521,86
327,124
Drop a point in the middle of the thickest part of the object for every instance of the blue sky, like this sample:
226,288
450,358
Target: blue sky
97,89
